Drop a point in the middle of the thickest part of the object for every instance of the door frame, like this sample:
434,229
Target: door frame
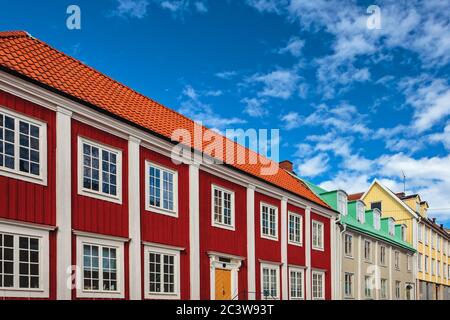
233,265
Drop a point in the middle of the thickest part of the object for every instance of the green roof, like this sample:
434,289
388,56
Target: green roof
351,221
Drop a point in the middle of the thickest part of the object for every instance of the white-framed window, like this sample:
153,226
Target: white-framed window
318,285
419,262
99,171
368,286
376,205
408,263
348,285
427,236
420,233
348,245
433,239
445,270
24,261
161,273
383,255
403,228
438,240
296,283
342,203
161,189
427,264
391,225
269,222
23,147
295,227
367,250
360,212
222,208
438,268
433,266
102,267
383,289
376,219
270,281
317,235
397,289
397,260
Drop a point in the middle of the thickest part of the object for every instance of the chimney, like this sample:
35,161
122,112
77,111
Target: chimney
442,226
287,165
434,220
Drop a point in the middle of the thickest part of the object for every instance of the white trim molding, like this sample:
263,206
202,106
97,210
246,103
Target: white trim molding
119,293
284,250
134,217
251,258
222,225
224,262
194,230
308,252
119,167
300,270
270,266
160,209
16,173
261,233
17,231
175,253
63,204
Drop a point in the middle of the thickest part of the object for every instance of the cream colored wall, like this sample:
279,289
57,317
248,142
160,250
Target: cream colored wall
390,208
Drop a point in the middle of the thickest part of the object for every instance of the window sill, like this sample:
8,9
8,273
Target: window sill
23,177
162,296
173,214
23,293
318,249
100,294
99,196
296,244
223,226
269,237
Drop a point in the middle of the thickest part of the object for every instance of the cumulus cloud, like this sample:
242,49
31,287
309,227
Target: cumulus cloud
276,84
131,8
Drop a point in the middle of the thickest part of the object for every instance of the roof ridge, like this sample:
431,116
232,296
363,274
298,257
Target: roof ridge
14,34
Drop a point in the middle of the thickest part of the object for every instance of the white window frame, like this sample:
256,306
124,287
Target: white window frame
408,263
427,264
316,246
427,234
16,173
433,266
160,295
391,225
322,273
93,193
342,203
292,242
376,219
420,262
367,287
266,236
360,212
383,255
369,259
397,260
420,235
397,289
275,267
383,289
232,208
160,209
302,272
351,277
44,256
348,255
120,264
403,229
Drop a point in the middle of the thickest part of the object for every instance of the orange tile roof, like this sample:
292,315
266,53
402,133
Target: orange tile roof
25,56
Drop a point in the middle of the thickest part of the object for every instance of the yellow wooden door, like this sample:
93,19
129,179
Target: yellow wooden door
223,284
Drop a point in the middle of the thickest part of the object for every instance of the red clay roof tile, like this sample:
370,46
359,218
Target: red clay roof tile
35,59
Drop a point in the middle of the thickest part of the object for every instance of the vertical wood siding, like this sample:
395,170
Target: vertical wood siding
218,239
165,229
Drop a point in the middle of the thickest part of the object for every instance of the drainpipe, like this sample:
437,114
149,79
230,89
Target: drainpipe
339,256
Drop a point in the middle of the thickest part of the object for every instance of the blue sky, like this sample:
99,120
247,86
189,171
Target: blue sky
352,103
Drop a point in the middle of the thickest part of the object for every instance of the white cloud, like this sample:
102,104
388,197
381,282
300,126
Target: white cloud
443,137
276,84
430,98
226,75
201,7
313,166
131,8
175,5
294,47
273,6
291,120
193,107
254,107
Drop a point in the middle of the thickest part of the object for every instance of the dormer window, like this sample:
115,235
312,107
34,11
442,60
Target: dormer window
342,203
403,232
360,212
376,219
391,227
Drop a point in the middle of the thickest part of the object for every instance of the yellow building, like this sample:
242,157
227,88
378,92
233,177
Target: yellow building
432,241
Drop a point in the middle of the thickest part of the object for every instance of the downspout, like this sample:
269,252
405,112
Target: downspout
338,259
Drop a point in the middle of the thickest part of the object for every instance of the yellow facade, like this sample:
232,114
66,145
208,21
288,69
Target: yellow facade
426,245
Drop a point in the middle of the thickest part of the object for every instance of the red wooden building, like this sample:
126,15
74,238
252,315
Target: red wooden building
92,205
